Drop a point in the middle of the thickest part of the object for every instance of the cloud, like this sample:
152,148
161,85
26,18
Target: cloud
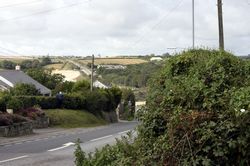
84,27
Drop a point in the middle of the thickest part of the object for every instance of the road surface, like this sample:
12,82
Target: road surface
82,67
58,150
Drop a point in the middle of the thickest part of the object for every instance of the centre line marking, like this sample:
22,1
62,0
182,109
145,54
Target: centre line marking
16,158
101,138
62,147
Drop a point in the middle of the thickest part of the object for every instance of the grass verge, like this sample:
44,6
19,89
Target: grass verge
73,118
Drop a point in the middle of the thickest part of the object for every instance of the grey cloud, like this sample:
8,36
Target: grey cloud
121,26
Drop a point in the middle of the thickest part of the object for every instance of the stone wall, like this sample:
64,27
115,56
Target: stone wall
16,129
42,122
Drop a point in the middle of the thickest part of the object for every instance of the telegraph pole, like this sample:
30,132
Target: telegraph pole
220,20
193,21
92,72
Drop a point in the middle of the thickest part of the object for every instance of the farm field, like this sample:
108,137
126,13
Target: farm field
14,58
70,75
54,66
60,66
118,61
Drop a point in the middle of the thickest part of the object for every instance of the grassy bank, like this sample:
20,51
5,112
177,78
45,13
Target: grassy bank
73,118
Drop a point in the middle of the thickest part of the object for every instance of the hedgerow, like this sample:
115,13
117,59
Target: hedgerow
197,113
94,102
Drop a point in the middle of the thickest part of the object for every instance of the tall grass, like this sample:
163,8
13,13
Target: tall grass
73,118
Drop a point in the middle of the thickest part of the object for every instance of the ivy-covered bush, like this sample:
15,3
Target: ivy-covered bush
197,113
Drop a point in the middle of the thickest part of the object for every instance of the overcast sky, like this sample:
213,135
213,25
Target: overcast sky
119,27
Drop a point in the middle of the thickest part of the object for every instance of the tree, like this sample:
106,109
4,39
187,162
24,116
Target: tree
81,86
27,64
22,89
46,61
8,64
46,77
65,87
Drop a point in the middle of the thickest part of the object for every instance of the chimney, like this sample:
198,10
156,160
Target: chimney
18,67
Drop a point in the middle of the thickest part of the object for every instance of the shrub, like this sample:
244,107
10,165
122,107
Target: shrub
24,89
76,101
5,120
15,104
197,113
4,97
9,119
94,102
108,155
191,111
31,113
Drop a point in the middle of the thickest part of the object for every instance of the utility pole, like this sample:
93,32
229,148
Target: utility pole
92,72
193,21
220,20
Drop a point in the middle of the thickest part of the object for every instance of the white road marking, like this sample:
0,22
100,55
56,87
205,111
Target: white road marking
101,138
62,147
4,161
123,132
69,144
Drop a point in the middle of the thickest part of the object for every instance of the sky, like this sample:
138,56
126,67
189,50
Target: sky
119,27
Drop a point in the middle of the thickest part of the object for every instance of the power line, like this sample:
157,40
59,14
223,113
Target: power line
11,51
158,23
227,37
45,11
20,4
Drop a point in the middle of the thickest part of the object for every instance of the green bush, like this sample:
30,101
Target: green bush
15,104
120,154
4,97
191,111
94,102
197,113
74,101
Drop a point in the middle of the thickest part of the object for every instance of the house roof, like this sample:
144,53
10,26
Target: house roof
14,77
98,84
4,84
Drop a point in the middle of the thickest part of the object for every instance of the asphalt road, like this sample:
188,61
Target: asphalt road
58,150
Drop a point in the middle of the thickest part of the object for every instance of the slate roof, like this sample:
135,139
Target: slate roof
15,76
4,84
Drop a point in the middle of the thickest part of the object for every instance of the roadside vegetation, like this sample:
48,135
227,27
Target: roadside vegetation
73,118
197,113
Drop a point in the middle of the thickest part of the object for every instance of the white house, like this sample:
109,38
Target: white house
156,59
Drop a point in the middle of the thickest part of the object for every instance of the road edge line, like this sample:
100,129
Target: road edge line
12,159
